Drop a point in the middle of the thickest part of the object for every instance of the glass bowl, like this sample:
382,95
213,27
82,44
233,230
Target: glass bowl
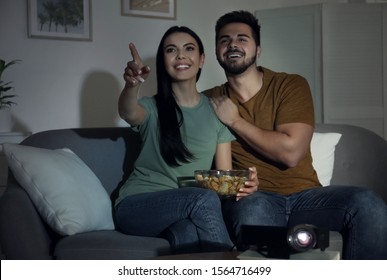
224,182
186,181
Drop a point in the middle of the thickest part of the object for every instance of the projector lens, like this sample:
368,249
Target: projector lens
301,238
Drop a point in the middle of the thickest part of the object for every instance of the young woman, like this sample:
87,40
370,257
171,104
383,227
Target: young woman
180,134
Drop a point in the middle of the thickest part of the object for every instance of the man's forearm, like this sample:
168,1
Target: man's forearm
280,146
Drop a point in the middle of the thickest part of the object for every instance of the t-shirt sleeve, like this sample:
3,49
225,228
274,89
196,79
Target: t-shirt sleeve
296,102
225,135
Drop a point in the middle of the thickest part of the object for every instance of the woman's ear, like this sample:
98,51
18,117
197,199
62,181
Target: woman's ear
202,59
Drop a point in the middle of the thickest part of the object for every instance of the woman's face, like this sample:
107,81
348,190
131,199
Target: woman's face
181,56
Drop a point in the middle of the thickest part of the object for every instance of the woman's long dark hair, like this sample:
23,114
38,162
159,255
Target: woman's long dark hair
172,147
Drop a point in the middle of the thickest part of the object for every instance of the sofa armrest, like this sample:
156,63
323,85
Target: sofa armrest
23,234
360,158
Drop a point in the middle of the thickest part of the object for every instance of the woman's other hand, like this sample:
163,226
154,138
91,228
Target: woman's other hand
251,185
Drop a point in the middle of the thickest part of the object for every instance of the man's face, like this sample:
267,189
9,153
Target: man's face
236,49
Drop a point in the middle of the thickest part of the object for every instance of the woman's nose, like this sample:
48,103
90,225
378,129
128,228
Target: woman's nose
180,55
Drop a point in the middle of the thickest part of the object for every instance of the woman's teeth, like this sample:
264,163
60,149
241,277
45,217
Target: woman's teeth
182,66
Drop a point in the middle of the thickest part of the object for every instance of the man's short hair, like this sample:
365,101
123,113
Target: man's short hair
240,17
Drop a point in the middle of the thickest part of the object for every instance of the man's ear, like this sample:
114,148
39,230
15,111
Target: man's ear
259,51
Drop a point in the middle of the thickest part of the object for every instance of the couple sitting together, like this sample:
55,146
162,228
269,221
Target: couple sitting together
258,120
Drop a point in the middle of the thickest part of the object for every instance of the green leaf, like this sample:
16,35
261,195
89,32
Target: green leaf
5,101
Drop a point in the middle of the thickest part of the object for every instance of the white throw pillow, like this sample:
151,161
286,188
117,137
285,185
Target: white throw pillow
323,147
67,194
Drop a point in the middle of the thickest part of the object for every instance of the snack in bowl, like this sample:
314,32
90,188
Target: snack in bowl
224,182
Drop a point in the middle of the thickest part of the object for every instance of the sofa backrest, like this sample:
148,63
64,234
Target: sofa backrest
360,158
109,152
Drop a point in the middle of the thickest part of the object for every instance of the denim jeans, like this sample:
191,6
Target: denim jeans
190,218
357,213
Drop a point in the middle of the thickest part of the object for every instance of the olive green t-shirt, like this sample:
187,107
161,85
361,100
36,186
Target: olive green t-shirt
201,132
283,98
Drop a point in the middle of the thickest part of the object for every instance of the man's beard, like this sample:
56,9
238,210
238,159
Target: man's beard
236,69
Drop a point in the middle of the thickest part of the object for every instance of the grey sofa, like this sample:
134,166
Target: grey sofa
360,159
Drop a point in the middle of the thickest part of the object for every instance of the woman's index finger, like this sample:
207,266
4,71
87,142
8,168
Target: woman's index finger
135,55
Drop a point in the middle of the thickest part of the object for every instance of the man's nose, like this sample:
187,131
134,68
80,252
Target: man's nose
232,44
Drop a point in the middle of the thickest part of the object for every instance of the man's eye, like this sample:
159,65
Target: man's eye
222,40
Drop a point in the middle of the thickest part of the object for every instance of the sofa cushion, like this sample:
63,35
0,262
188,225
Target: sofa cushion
323,147
110,245
66,193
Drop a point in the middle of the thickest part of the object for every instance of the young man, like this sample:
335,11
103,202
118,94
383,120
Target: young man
273,119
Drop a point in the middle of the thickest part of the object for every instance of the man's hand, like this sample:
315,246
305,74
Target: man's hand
251,185
225,109
135,72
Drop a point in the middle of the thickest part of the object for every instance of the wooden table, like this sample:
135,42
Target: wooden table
202,256
315,254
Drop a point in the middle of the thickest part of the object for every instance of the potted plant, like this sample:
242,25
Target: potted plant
6,98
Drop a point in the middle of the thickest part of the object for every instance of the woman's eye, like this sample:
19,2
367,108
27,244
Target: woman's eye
169,50
190,48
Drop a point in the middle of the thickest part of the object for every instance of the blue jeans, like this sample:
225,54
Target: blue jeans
356,212
190,218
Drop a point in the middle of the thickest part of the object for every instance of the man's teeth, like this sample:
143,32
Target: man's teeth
234,55
182,66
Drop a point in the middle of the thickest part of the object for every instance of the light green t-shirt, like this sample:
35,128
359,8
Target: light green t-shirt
201,132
